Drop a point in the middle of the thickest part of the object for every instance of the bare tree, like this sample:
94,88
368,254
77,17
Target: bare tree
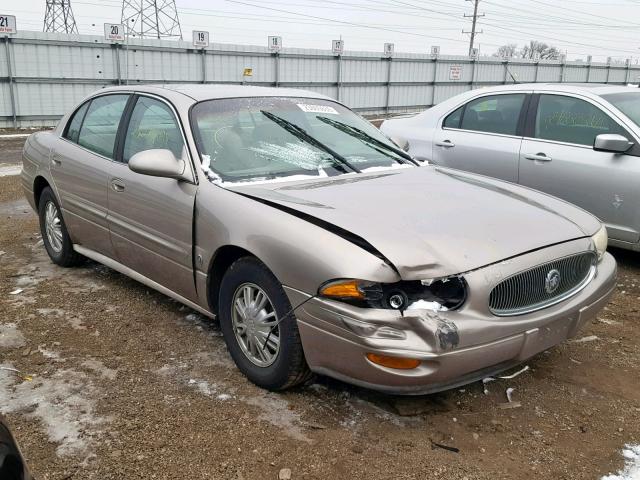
547,52
506,51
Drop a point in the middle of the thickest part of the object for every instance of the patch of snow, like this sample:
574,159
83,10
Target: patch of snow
425,305
10,170
394,166
224,397
10,336
631,470
276,411
100,368
289,178
62,403
590,338
16,291
48,353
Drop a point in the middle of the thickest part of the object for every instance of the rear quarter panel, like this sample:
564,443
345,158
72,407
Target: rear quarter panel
35,162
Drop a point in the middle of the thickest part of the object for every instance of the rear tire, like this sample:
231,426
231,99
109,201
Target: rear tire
54,232
251,302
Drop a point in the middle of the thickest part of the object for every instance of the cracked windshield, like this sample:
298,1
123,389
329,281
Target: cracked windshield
258,139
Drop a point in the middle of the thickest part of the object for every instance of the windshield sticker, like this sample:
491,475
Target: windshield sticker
306,107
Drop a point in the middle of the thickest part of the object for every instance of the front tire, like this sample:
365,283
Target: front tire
259,328
54,232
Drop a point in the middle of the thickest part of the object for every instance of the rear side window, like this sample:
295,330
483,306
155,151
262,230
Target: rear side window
152,125
494,114
73,127
572,120
453,119
100,126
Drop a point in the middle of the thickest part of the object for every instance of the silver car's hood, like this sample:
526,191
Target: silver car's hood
432,222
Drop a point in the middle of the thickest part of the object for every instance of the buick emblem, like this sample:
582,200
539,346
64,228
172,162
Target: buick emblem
552,282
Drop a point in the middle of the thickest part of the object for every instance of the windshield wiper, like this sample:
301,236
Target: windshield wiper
303,135
365,137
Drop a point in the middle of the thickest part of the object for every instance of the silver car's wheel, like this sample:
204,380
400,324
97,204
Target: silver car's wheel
254,325
53,226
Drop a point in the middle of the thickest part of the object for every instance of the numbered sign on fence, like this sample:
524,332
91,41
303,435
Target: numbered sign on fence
388,49
114,32
435,51
337,47
7,24
275,44
200,39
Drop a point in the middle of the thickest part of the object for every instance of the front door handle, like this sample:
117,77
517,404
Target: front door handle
446,144
117,185
538,157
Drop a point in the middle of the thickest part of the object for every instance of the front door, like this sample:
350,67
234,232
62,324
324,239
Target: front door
557,157
80,164
151,218
482,136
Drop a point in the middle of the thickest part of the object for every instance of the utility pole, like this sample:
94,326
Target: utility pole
473,24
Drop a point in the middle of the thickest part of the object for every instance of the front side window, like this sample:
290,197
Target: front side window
100,125
572,120
152,125
264,138
494,114
73,127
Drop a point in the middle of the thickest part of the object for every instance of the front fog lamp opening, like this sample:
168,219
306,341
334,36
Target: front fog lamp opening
398,363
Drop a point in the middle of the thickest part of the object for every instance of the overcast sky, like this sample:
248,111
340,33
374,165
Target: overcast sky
601,28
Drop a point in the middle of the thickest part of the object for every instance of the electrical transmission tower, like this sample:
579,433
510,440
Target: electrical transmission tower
58,17
475,17
151,18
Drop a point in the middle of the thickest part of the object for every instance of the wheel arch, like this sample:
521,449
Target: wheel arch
220,263
39,184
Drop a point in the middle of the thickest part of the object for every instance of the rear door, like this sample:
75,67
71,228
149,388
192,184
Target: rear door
151,218
557,157
483,136
80,167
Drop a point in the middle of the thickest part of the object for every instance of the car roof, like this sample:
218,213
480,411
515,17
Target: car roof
587,88
199,92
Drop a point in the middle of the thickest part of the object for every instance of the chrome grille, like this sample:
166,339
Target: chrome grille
527,291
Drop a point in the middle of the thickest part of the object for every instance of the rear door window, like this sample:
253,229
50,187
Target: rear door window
572,120
100,126
494,114
73,127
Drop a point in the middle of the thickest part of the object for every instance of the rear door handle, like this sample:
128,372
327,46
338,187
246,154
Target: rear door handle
55,160
117,185
446,144
539,157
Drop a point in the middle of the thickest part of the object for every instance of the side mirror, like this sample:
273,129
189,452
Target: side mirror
611,142
158,162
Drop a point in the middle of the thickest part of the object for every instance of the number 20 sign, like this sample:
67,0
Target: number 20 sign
114,32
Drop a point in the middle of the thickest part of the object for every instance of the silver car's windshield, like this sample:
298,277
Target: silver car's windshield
627,102
263,138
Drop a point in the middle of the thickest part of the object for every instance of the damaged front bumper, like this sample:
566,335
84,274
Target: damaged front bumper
454,347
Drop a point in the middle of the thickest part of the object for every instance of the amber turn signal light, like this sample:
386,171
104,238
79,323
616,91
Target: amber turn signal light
399,363
342,289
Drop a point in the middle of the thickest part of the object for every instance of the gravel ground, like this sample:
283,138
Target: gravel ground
121,382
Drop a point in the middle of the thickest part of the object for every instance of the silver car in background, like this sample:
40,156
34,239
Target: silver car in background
577,142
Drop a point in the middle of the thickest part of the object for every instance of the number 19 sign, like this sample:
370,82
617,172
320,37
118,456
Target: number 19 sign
7,24
200,39
114,32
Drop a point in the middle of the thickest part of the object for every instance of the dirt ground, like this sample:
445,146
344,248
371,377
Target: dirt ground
124,383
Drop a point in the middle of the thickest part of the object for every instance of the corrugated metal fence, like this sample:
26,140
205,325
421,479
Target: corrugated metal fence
43,74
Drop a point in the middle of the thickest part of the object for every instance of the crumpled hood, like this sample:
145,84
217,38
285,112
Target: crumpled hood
431,221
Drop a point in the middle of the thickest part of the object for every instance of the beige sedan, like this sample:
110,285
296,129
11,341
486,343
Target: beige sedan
318,245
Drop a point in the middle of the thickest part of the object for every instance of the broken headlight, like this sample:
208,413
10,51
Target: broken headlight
449,293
